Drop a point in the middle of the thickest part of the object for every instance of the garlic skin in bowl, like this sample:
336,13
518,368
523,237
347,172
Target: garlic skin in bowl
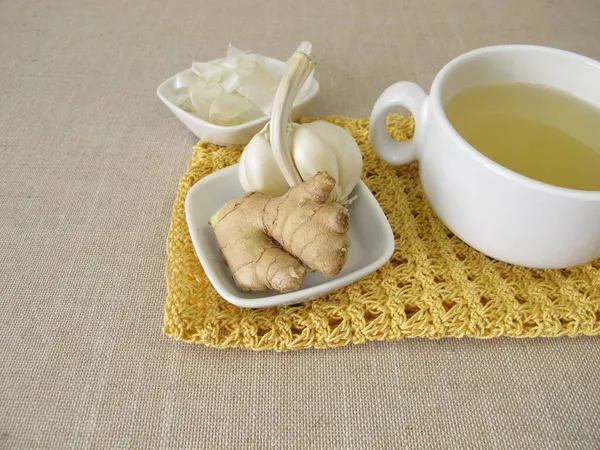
170,93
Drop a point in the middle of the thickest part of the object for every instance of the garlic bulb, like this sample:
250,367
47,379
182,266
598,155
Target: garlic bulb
284,154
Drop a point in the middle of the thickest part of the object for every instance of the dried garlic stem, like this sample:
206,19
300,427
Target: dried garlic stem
297,70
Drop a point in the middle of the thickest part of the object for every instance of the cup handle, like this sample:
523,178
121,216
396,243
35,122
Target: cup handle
410,96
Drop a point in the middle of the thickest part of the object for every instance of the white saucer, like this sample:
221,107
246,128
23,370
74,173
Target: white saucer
371,242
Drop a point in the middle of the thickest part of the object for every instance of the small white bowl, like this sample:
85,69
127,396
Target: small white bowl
238,134
371,242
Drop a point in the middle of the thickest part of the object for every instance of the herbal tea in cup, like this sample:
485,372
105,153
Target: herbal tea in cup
541,132
508,144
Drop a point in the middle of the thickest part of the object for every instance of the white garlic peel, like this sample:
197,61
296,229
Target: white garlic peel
284,154
259,170
228,91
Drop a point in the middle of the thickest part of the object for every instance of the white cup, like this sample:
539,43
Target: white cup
499,212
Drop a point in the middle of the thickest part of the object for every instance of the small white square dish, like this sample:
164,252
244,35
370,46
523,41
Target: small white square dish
371,242
238,134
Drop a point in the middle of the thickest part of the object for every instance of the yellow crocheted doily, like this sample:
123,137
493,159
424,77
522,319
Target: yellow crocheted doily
433,286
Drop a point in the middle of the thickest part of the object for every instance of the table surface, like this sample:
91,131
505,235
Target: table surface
89,165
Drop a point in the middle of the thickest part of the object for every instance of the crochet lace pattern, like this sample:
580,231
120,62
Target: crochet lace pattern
433,286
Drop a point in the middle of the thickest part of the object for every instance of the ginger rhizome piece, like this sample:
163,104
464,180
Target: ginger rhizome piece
267,241
257,262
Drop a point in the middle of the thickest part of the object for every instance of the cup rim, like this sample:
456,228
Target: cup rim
436,105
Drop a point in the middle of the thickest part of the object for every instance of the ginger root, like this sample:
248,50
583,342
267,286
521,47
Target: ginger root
266,240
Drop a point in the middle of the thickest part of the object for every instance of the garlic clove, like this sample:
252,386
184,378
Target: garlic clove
232,109
311,154
346,151
242,170
258,170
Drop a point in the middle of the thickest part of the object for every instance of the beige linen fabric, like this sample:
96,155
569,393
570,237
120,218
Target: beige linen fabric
89,163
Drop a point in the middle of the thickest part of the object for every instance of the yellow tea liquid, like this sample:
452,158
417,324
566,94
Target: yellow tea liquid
542,133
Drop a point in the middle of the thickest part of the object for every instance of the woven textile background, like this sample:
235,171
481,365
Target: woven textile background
89,167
